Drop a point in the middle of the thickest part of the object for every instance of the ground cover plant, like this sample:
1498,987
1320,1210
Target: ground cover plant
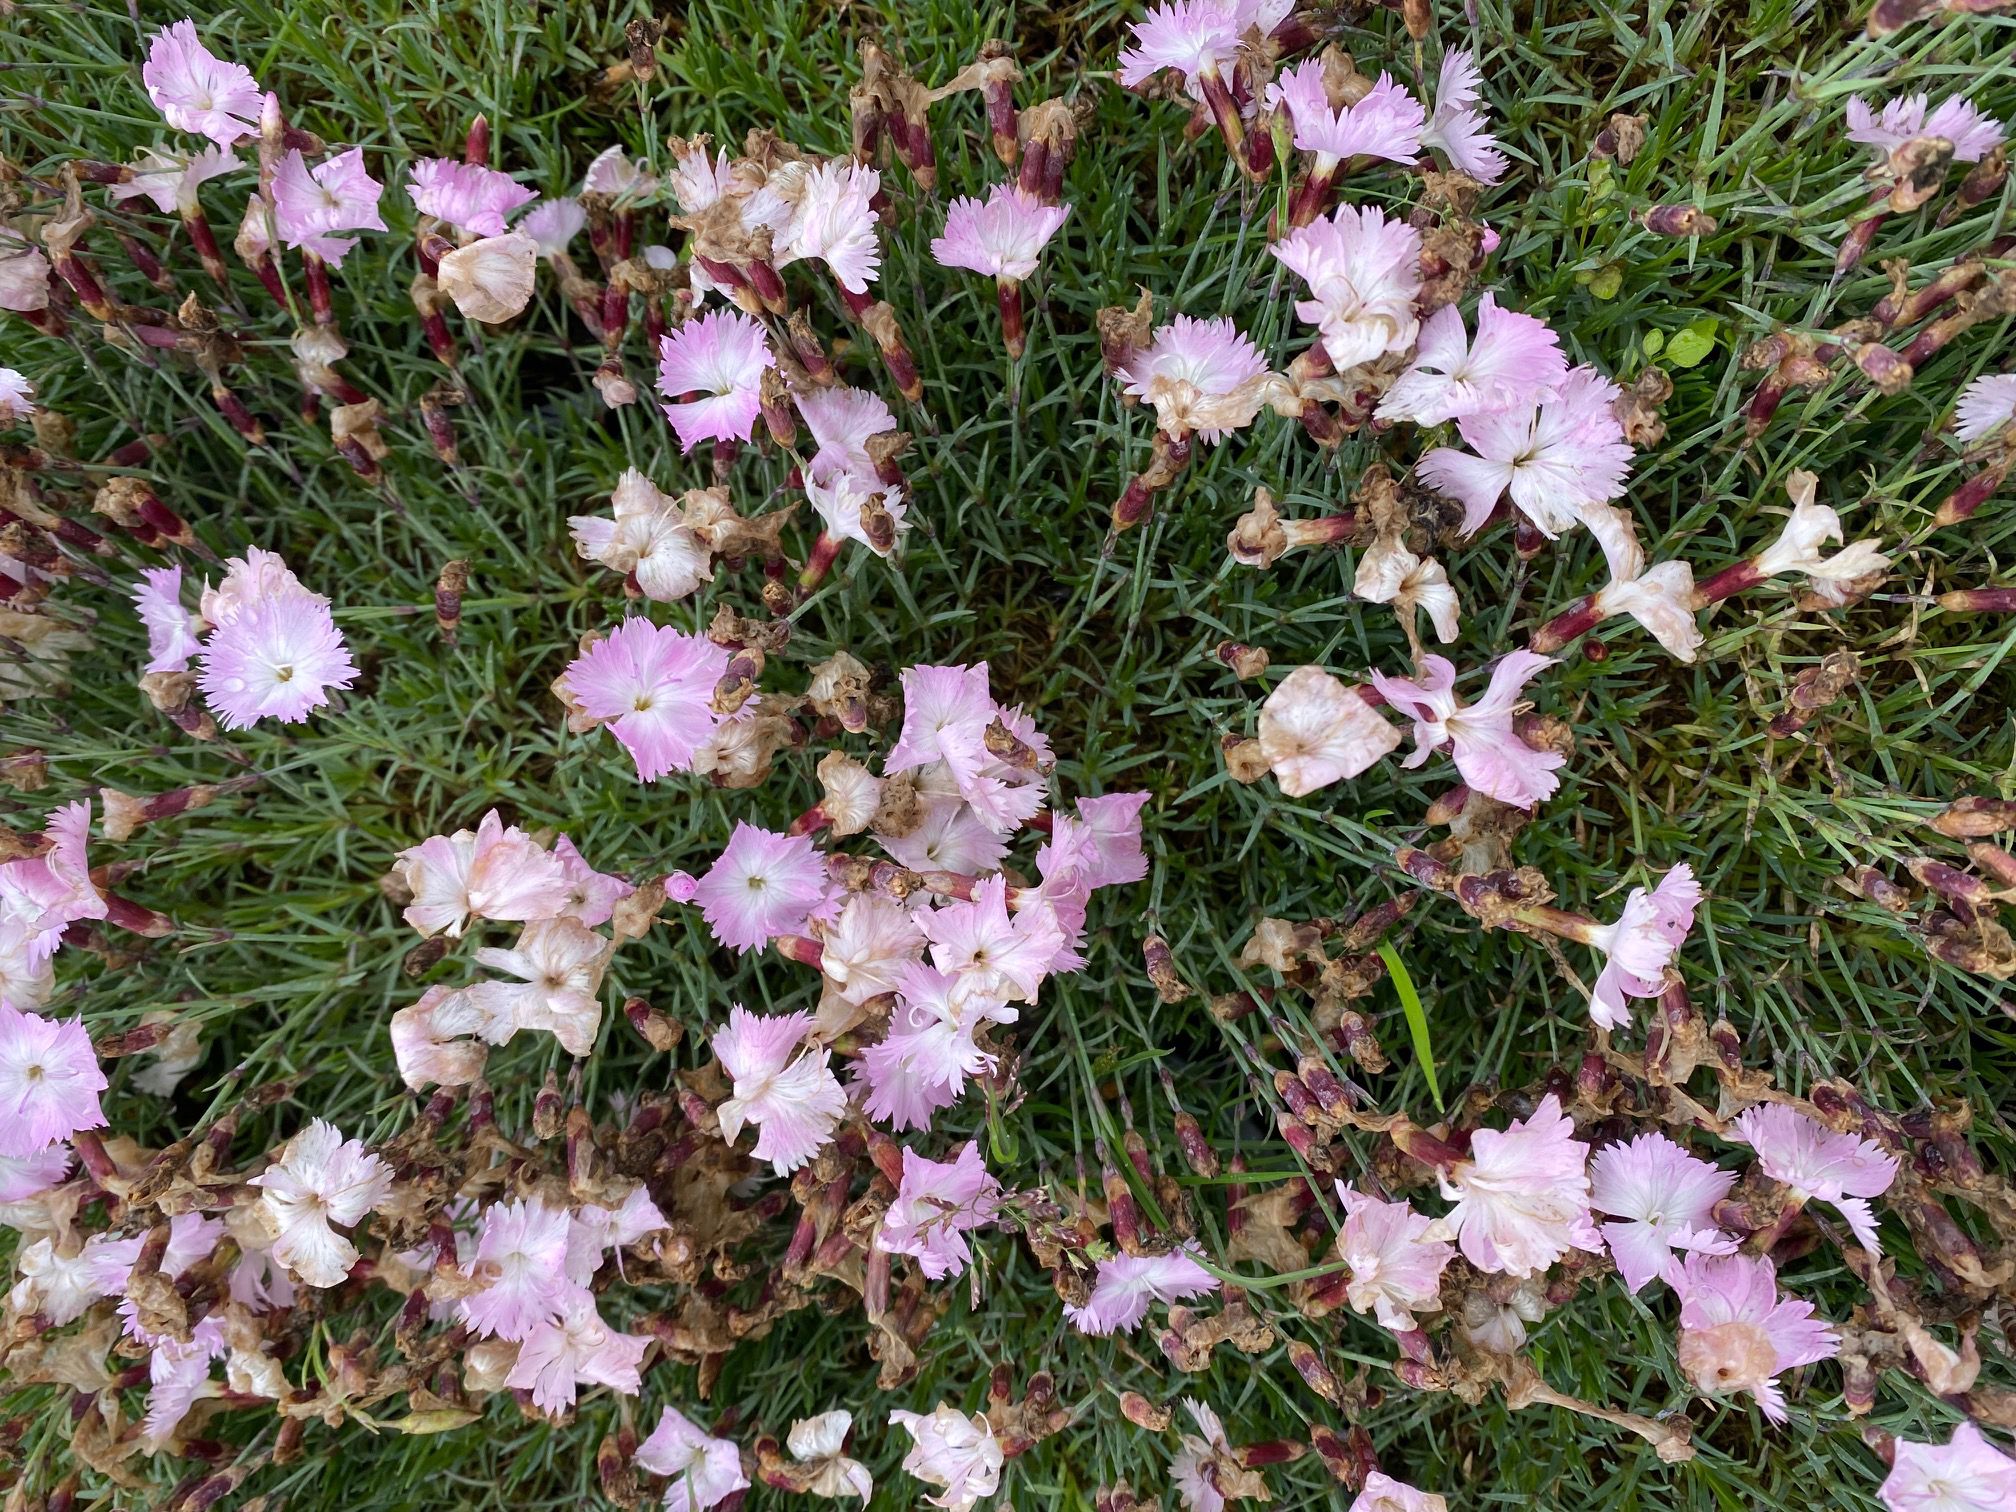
1095,757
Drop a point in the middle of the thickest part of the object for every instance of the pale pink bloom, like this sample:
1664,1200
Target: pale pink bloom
922,1063
1905,119
937,1205
841,420
191,1239
197,91
613,174
793,1103
1363,270
559,964
578,1349
1820,1165
467,196
1315,731
1553,454
41,896
592,896
497,872
25,1176
698,181
992,953
521,1257
1382,1493
17,396
763,885
839,505
595,1230
250,580
1128,1284
178,1372
946,711
956,1453
1488,751
27,977
1388,573
834,222
60,1287
170,180
49,1083
1522,1197
1196,38
1202,376
646,536
1967,1474
1737,1333
434,1040
705,1470
309,208
1457,128
1002,238
278,658
1513,360
1396,1268
863,951
1986,406
1639,947
1107,836
1191,1470
320,1179
24,275
257,1282
1386,123
654,687
949,837
1663,1199
491,280
822,1440
172,630
553,224
720,356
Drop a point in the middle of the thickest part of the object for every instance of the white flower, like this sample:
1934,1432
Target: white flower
956,1452
320,1179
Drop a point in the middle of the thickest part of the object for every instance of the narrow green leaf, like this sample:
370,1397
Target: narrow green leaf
1417,1018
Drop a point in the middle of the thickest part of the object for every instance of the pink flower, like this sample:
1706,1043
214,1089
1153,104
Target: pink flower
1986,406
1663,1199
1522,1198
41,896
1968,1475
993,954
834,222
1106,840
950,837
592,896
320,1179
613,174
559,964
197,91
1386,123
958,1453
793,1103
1660,598
178,1372
1513,360
25,1176
433,1040
498,873
172,630
1194,1470
17,395
946,711
705,1471
820,1441
862,952
763,885
1196,38
278,658
842,420
1488,751
1737,1333
1640,946
937,1205
309,208
1128,1284
654,687
1382,1493
1819,1165
1315,731
171,180
1457,128
578,1349
595,1230
553,224
922,1063
521,1255
1202,377
1002,238
467,196
49,1083
1902,120
24,286
721,356
1552,453
1396,1268
1363,271
839,504
645,537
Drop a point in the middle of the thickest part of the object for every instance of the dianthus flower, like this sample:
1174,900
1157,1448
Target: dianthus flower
921,1064
613,174
1986,407
49,1083
1966,1474
646,537
842,421
496,872
491,280
993,954
1314,731
1002,237
720,356
1972,133
172,631
170,180
1386,123
938,1203
957,1453
320,1179
197,91
17,395
1522,1196
1382,1493
1661,1199
1552,453
468,196
1457,128
1820,1165
311,207
654,687
1487,749
1395,1267
595,1230
794,1103
1513,360
576,1349
762,885
553,224
1738,1334
819,1443
42,895
834,222
559,964
704,1470
1126,1286
1639,947
1363,270
520,1260
278,658
1202,377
